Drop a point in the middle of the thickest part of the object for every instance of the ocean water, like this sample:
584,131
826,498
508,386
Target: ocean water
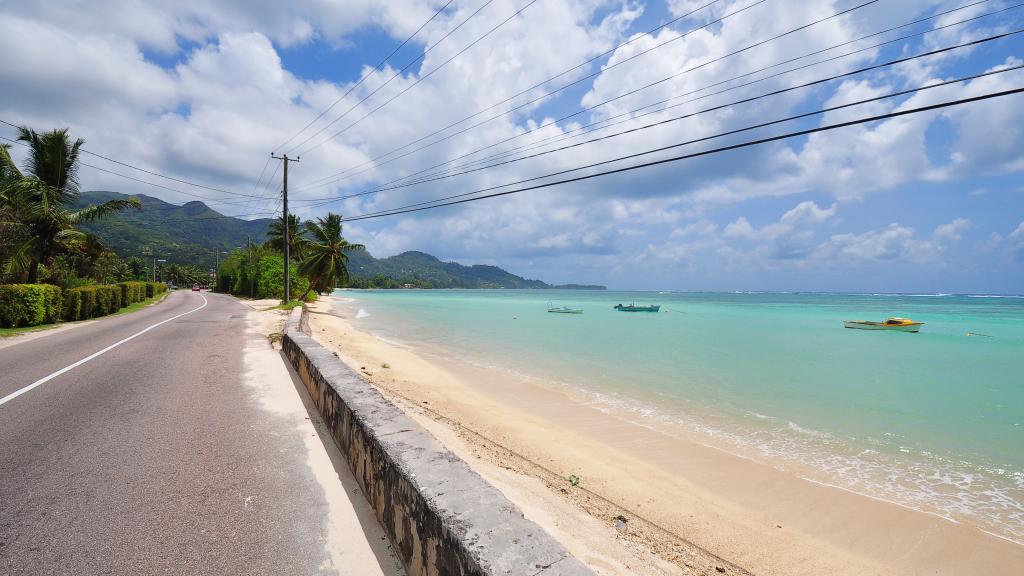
933,421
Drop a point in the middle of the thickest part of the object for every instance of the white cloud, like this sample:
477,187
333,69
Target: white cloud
951,231
893,243
215,115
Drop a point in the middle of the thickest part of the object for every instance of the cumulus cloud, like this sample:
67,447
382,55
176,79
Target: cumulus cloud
952,230
199,90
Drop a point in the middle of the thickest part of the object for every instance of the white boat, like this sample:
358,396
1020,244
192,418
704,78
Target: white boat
563,309
895,323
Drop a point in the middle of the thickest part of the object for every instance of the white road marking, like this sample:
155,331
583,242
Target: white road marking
46,379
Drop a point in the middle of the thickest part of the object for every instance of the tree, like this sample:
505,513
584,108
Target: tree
138,268
326,259
38,198
297,239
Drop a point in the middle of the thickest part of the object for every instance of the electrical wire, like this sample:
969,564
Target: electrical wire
628,115
367,74
461,199
703,111
656,83
393,76
425,76
609,66
150,172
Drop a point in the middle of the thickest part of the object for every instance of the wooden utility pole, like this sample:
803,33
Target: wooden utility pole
287,228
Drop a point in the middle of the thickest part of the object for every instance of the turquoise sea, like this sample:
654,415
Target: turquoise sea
934,420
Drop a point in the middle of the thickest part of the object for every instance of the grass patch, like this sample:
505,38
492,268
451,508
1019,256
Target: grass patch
286,305
139,305
8,332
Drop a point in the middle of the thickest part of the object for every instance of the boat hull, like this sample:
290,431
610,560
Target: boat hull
862,325
654,308
566,311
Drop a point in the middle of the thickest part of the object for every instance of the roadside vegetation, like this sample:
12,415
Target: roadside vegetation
50,270
318,264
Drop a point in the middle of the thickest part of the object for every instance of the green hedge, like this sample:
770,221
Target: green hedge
132,292
29,304
155,289
72,305
88,307
33,304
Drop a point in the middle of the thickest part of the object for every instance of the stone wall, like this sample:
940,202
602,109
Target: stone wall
443,518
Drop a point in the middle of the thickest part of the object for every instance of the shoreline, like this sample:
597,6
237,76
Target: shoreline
761,518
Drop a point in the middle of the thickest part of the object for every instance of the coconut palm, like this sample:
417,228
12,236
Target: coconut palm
325,262
296,236
39,198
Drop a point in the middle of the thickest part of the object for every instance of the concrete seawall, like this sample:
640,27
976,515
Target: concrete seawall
442,517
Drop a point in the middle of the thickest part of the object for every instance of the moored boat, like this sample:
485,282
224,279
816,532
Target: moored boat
563,309
895,323
634,308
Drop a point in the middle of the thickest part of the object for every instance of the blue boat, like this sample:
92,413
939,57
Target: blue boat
634,308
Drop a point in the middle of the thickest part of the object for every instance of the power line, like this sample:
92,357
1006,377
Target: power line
459,199
367,75
150,172
207,201
631,92
567,136
613,65
703,111
628,115
425,76
393,76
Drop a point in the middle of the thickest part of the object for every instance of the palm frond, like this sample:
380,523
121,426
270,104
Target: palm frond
100,210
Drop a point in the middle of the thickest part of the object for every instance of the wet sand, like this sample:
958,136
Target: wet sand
683,507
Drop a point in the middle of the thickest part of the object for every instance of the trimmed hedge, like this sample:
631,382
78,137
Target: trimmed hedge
132,292
72,305
155,289
33,304
29,304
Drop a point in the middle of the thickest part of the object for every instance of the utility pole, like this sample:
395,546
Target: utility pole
287,228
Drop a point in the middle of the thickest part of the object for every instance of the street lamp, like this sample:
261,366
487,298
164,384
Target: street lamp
154,267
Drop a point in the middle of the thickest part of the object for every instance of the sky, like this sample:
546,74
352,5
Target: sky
202,91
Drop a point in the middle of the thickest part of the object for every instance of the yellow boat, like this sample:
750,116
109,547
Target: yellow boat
895,323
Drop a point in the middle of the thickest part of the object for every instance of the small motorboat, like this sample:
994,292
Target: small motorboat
634,308
563,309
895,323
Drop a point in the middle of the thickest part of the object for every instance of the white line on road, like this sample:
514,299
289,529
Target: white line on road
46,379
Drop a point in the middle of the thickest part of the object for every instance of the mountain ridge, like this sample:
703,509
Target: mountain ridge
192,233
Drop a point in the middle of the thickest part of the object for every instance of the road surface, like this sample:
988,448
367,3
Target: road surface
181,449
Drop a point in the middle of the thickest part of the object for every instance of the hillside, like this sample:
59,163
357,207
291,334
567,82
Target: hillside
187,234
190,234
426,271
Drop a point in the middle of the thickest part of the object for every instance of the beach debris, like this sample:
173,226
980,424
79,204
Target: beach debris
621,522
720,569
574,479
385,365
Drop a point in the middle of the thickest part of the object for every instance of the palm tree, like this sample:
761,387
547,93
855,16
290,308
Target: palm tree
326,258
39,198
296,236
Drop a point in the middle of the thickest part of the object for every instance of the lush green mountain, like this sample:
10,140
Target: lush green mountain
190,234
426,271
187,234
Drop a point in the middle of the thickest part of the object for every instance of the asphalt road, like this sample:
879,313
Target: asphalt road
154,457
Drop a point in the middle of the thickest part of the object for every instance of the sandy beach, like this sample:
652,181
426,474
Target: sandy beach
649,502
